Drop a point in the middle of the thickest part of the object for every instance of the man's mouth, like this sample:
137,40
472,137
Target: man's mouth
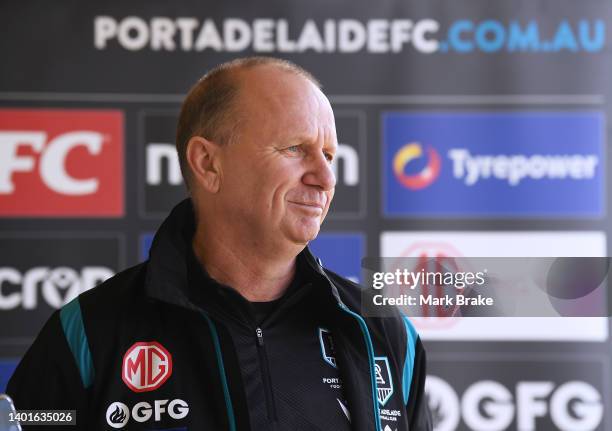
312,206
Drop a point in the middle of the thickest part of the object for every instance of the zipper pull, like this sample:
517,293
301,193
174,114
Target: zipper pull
259,334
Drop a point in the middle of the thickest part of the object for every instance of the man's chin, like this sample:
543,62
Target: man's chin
300,230
304,236
304,240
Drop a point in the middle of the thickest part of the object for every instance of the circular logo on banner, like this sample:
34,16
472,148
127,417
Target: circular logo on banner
146,366
426,176
117,415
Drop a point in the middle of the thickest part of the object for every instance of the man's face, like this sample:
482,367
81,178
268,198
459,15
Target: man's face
276,176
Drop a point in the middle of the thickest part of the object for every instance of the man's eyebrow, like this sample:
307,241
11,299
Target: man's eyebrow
309,140
293,140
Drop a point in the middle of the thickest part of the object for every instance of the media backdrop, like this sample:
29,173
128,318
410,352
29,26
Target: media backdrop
466,127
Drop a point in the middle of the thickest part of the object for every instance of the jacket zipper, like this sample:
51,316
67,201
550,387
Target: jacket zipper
265,375
369,347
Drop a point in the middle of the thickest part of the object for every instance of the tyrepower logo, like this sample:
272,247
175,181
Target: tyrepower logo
494,164
61,163
146,366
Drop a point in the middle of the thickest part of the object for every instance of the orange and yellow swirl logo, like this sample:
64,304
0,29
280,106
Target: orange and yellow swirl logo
426,176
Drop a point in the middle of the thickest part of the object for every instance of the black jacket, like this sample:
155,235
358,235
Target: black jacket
151,348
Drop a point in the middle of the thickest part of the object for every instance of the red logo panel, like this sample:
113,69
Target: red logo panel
61,163
146,366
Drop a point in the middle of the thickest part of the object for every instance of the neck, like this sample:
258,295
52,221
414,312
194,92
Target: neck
256,276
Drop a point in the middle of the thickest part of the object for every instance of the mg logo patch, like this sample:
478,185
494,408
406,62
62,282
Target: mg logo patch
327,347
384,384
146,366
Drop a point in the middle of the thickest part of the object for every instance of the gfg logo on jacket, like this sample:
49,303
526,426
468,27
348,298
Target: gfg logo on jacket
118,414
146,366
61,163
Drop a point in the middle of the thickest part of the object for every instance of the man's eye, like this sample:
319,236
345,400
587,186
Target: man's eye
329,157
293,149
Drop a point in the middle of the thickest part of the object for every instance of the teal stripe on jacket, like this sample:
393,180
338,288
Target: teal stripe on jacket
408,370
74,331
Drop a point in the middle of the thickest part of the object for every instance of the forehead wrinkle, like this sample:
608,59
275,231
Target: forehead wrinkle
321,123
299,108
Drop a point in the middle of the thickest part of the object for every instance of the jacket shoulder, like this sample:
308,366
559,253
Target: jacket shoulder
112,306
120,289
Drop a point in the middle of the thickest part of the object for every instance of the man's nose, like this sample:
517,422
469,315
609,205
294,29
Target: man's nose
320,173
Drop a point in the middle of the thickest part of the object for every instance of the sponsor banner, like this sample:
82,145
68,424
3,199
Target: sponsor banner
414,46
66,163
518,392
7,367
162,184
377,36
340,252
445,286
39,273
502,244
533,164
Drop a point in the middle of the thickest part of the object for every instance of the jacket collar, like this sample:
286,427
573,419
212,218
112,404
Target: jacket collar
167,277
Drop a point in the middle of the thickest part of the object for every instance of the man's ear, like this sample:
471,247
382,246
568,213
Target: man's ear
202,156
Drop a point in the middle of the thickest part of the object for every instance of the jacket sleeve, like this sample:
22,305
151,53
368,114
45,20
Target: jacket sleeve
415,372
47,378
417,408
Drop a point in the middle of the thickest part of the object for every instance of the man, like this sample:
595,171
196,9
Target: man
232,324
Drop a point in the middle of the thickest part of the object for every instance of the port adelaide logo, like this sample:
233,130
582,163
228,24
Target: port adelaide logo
146,366
327,347
384,384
